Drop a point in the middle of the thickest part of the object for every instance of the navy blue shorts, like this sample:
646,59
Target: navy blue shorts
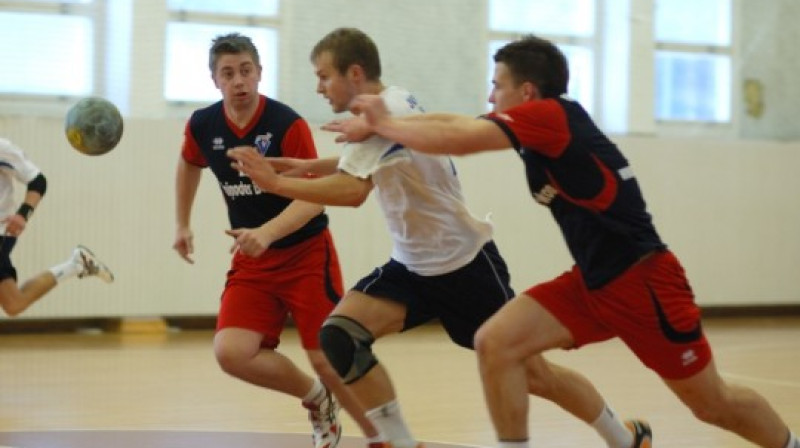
462,300
6,267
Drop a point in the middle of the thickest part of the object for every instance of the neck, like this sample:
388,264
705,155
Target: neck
241,114
373,88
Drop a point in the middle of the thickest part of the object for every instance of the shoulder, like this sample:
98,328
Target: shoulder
205,114
400,101
8,148
273,106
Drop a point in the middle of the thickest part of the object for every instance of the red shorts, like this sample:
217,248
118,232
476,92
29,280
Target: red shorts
303,280
650,307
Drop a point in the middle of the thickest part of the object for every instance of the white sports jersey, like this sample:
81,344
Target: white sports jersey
433,231
13,165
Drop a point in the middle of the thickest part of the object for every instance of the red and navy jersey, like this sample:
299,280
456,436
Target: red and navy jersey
276,131
575,170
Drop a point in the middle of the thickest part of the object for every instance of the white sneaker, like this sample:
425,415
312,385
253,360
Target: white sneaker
91,265
325,422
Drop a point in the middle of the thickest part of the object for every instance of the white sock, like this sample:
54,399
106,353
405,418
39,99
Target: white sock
66,270
513,444
389,421
793,441
612,430
317,393
376,439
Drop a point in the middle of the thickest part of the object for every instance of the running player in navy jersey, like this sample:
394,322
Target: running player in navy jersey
443,265
625,282
285,262
15,166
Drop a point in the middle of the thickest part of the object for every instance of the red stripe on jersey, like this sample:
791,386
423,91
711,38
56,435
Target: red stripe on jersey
603,200
298,141
540,125
191,150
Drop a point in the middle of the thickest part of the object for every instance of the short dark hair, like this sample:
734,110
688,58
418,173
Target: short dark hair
538,61
349,46
233,43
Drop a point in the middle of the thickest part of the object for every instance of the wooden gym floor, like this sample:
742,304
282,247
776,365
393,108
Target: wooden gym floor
95,389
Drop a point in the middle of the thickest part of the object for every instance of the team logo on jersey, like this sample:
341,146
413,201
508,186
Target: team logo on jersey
262,143
218,144
413,103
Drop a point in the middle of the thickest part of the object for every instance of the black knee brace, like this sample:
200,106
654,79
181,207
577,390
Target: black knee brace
348,346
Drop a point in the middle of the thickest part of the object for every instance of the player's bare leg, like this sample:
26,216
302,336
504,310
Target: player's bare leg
15,300
734,408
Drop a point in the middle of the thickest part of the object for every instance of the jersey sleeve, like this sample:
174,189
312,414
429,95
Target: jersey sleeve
22,168
364,159
190,150
298,141
539,126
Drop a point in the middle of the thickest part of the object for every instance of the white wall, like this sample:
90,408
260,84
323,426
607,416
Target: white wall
727,208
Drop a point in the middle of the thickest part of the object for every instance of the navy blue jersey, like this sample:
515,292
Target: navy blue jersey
276,131
575,170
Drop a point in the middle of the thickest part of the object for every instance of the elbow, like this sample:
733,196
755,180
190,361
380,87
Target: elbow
354,200
355,195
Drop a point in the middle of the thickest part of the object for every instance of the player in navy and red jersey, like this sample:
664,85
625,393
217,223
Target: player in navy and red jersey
625,282
285,262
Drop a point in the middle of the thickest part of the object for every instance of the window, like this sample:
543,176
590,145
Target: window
62,36
190,31
568,23
693,60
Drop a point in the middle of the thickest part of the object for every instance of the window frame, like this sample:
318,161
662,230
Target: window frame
56,103
221,18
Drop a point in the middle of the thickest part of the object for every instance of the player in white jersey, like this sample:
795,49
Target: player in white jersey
444,264
420,195
15,166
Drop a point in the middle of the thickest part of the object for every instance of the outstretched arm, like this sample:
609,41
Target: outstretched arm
336,189
289,166
431,133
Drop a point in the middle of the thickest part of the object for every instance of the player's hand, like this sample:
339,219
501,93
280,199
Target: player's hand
350,130
250,242
371,107
248,161
184,244
15,225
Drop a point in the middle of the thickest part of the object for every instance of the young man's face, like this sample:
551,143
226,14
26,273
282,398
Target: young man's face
237,78
335,87
505,93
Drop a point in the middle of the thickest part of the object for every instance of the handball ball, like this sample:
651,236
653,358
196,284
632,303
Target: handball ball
93,126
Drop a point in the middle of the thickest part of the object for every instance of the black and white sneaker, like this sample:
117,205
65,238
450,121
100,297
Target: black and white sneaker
642,434
91,266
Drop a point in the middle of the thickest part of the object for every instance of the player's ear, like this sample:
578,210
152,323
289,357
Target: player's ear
530,91
355,72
